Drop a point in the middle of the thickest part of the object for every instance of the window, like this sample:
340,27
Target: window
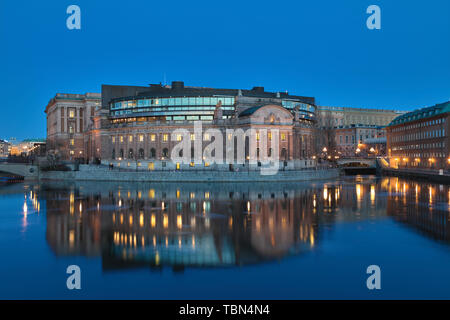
153,153
206,137
283,136
121,138
141,138
192,137
71,113
178,137
165,137
72,142
113,139
130,138
165,153
153,137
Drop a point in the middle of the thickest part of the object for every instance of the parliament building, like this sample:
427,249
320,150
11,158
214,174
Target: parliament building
131,126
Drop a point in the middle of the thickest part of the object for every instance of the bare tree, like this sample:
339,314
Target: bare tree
325,134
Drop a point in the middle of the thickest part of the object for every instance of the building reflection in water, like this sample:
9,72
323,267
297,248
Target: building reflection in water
220,225
421,205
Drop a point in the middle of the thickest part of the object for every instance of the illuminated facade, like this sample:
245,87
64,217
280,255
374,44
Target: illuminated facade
68,118
420,139
360,141
133,128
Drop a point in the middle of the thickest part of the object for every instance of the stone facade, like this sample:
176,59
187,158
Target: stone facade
69,117
345,116
137,137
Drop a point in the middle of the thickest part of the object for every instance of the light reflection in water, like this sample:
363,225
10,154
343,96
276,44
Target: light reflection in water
225,225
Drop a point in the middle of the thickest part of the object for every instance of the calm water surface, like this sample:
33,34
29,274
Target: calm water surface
226,241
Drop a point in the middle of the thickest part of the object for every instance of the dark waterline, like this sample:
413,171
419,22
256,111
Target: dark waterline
226,241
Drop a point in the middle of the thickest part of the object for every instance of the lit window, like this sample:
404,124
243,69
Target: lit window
130,138
72,142
178,137
121,138
192,137
283,137
71,113
207,137
257,136
153,137
113,139
151,166
269,135
141,137
165,137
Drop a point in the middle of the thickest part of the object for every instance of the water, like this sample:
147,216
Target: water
310,240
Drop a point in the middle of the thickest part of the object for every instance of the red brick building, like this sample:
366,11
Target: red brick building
420,139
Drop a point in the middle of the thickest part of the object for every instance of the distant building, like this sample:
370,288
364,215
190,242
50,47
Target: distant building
420,139
345,116
357,140
4,148
344,130
68,118
28,147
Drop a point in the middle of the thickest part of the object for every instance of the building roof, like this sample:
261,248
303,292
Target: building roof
423,113
249,111
178,89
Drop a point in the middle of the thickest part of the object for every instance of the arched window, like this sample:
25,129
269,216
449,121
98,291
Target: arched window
121,153
270,152
165,153
130,154
141,153
113,156
153,153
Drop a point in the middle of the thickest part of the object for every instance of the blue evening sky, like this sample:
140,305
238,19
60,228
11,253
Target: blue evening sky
315,48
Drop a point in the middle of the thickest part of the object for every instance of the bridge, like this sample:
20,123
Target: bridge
20,170
357,163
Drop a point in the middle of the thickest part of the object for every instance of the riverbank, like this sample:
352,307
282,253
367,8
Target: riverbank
418,174
99,173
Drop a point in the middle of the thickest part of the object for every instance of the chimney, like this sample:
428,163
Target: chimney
177,84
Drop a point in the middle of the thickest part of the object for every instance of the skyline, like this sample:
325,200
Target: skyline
322,50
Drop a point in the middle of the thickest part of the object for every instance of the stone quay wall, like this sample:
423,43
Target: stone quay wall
100,173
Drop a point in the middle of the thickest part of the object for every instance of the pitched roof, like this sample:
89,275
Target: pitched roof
423,113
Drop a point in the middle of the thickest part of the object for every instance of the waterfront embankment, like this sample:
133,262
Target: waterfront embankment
434,176
100,173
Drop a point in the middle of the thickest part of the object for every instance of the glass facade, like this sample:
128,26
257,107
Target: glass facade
306,110
173,106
